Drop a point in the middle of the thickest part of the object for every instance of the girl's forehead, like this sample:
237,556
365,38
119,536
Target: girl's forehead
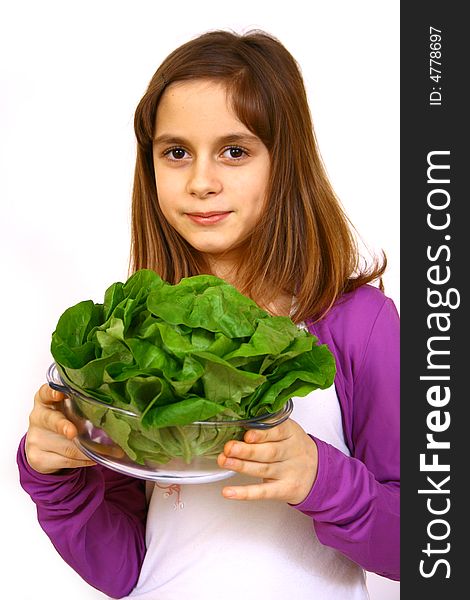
203,83
199,103
185,95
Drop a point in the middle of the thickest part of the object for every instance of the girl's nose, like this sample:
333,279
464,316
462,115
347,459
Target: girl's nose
203,179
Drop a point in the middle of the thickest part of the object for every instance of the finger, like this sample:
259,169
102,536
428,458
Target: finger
72,452
54,420
50,398
261,491
274,434
60,454
253,469
267,452
47,396
111,451
55,462
54,443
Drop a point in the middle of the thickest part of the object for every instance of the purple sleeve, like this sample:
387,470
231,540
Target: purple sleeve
355,501
95,518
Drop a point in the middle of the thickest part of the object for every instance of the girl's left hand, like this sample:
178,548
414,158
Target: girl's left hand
285,457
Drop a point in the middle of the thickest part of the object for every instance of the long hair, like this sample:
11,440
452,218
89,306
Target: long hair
304,244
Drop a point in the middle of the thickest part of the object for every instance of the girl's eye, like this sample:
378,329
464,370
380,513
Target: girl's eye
235,152
175,153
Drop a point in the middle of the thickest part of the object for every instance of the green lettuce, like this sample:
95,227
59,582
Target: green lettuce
174,354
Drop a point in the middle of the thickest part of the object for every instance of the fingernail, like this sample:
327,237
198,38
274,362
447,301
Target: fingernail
229,493
65,430
55,394
229,462
234,448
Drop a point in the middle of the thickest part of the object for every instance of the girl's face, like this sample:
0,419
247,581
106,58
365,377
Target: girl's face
211,171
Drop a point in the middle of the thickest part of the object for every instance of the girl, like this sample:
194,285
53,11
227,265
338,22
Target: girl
229,181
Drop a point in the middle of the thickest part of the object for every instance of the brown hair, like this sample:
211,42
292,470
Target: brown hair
304,243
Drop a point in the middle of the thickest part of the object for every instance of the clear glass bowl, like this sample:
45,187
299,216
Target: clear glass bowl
178,454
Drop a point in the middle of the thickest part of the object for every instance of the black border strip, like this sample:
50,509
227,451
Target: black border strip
434,251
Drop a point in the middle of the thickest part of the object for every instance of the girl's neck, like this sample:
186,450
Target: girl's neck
280,306
227,270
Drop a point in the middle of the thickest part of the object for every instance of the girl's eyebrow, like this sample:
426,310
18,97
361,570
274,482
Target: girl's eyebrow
230,138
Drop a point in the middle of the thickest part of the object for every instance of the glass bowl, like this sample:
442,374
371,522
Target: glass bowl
177,454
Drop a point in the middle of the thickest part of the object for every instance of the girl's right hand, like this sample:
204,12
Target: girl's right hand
49,440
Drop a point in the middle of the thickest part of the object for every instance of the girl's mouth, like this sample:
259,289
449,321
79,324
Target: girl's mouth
208,218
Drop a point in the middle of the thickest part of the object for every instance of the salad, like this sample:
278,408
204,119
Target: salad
175,354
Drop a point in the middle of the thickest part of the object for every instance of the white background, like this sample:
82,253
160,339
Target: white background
71,74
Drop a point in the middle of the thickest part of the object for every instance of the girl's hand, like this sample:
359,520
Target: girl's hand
49,446
285,457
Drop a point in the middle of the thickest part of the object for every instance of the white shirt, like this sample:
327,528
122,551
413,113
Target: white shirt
201,546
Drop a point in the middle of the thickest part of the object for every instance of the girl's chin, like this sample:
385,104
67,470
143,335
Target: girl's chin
222,252
216,253
210,249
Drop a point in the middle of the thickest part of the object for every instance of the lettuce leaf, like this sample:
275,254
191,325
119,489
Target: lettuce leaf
174,354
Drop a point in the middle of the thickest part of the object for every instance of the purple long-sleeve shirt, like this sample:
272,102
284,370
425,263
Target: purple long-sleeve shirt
96,518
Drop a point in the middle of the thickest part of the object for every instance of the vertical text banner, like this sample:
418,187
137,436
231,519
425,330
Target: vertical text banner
435,356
